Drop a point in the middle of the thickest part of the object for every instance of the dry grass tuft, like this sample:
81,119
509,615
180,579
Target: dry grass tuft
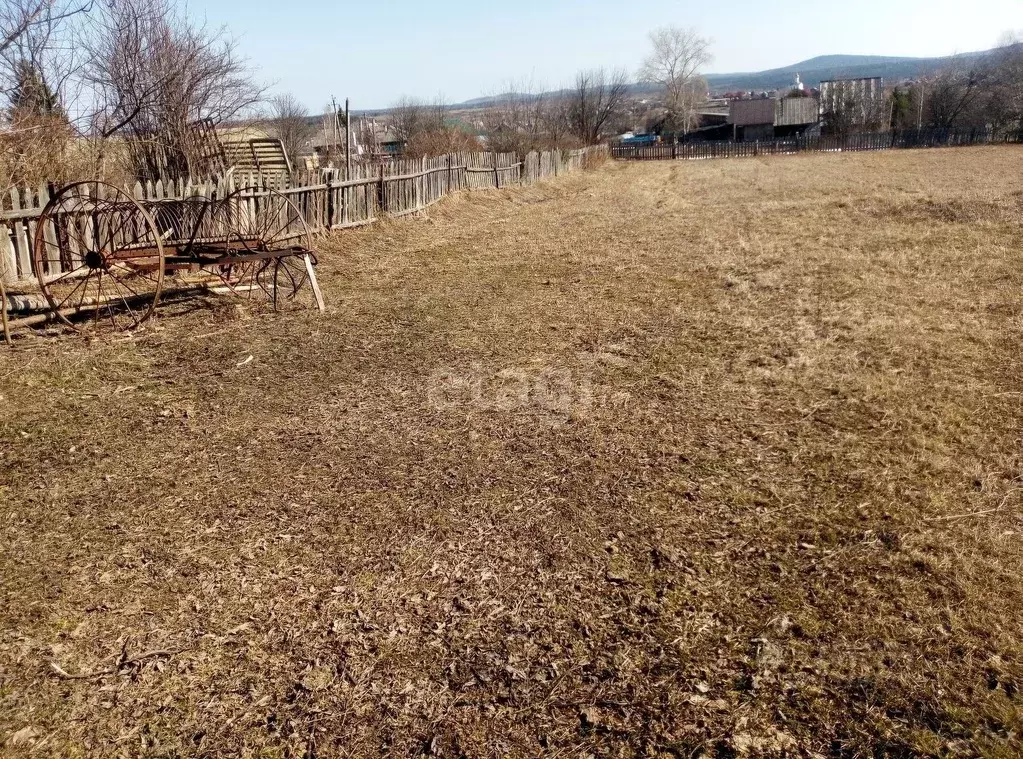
660,460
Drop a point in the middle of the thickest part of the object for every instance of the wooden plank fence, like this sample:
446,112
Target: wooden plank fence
328,199
925,138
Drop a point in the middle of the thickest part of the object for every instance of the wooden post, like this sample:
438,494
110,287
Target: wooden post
330,202
497,176
311,274
8,255
381,193
420,182
449,174
22,249
3,311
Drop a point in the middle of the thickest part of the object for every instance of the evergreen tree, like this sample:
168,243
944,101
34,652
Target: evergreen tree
31,95
902,109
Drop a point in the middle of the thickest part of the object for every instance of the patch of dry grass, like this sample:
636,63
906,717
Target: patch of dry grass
659,460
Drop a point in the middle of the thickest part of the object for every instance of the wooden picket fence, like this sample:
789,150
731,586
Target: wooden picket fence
922,138
328,199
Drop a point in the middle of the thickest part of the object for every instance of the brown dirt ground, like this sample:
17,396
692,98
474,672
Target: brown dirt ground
671,460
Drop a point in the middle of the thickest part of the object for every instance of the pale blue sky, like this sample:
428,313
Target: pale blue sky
375,52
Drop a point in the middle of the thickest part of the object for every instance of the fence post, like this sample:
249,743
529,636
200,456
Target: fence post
330,202
8,260
381,194
497,175
449,174
417,184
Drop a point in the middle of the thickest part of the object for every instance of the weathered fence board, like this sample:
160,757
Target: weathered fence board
328,199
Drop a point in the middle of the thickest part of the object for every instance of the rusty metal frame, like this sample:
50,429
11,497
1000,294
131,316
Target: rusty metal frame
92,230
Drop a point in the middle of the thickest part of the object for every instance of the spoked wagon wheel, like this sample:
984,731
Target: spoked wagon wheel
98,254
237,278
270,230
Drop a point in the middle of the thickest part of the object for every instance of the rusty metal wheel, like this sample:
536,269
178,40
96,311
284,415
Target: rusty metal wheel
98,254
264,222
238,278
294,284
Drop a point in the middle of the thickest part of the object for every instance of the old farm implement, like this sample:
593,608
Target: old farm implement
103,256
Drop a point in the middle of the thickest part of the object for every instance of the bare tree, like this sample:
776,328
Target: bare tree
36,59
674,63
290,123
154,75
556,121
598,97
516,122
411,118
22,21
849,111
952,95
530,117
1003,96
36,38
985,93
16,18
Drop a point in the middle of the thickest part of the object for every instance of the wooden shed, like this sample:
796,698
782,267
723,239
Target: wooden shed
772,118
744,113
797,112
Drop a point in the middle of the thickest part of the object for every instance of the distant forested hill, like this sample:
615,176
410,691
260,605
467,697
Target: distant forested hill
824,67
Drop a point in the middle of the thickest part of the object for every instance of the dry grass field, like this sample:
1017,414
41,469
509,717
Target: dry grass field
662,460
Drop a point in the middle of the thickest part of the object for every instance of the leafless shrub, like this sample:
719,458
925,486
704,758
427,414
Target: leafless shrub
528,118
442,141
424,130
39,149
516,121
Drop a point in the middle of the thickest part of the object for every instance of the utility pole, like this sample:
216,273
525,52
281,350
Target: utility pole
348,141
333,115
